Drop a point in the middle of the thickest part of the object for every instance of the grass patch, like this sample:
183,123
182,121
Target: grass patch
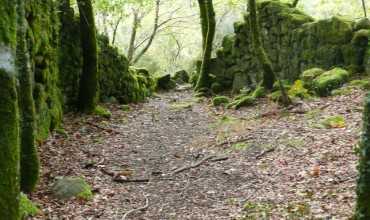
102,112
27,207
256,211
337,121
181,105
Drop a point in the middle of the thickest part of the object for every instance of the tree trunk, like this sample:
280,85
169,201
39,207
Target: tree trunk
116,28
203,80
9,117
152,36
364,7
88,94
203,21
265,63
363,182
295,3
131,48
29,157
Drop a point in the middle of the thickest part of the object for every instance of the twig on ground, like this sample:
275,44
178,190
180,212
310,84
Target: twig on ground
103,128
263,153
234,141
222,158
122,179
138,209
197,164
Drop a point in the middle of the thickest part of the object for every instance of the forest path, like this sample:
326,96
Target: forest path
279,164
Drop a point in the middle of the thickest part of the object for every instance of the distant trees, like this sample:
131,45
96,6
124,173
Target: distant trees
88,93
208,26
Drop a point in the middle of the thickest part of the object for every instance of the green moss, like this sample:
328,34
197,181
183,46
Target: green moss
125,108
361,83
362,211
337,121
102,112
181,77
220,100
330,80
298,91
309,75
69,187
27,207
216,87
240,146
342,91
29,156
182,105
165,82
9,144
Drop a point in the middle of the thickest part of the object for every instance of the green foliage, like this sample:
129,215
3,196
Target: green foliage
330,80
337,121
242,101
361,83
297,90
27,207
220,100
101,111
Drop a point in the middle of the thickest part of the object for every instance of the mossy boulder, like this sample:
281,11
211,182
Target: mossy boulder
330,80
165,82
72,187
363,23
361,83
181,77
309,75
216,87
220,100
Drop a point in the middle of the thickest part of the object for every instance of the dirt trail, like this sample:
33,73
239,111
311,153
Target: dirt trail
286,167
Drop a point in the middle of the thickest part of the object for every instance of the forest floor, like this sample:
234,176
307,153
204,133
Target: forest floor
261,162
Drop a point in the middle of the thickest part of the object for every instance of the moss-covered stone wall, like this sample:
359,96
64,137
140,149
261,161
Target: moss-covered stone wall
43,41
116,79
294,41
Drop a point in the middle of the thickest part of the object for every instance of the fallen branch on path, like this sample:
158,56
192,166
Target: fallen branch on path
242,139
103,128
259,156
197,164
138,209
123,179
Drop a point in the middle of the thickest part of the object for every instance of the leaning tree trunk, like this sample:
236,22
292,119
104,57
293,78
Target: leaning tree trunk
29,157
363,182
88,94
295,3
135,25
9,118
203,80
203,22
268,73
364,8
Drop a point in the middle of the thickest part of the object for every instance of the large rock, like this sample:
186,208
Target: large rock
165,82
70,187
181,77
330,80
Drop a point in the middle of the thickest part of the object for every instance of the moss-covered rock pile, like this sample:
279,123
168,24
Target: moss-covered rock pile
43,42
117,80
295,42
